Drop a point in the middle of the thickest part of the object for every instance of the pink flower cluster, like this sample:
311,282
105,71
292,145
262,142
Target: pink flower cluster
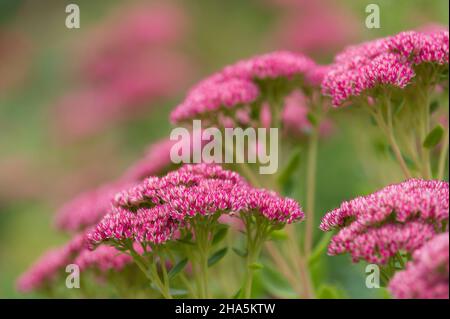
154,210
387,61
236,84
319,17
46,268
130,60
212,96
426,276
89,207
44,272
398,217
295,116
104,258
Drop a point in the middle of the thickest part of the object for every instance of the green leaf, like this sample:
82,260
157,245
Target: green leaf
312,119
240,252
220,235
320,248
217,256
434,106
177,268
291,166
434,137
256,266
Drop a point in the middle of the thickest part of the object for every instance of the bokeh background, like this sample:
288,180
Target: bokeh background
77,106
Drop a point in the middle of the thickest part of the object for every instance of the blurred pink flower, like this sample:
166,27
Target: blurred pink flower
315,27
130,62
427,275
46,269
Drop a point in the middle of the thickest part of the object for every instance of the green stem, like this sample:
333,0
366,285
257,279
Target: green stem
443,157
389,132
255,240
203,247
151,273
311,188
424,129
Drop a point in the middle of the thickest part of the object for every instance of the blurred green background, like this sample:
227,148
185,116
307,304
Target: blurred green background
40,169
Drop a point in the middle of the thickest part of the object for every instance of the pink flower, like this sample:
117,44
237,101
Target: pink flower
212,97
241,84
87,208
398,217
129,33
387,61
46,269
426,276
103,259
354,78
153,211
329,26
378,245
131,62
91,206
295,117
278,64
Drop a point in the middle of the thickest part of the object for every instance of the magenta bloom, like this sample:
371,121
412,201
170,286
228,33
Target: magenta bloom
153,211
319,17
399,217
87,208
426,276
295,117
47,268
279,64
388,61
211,97
130,62
104,258
242,83
91,206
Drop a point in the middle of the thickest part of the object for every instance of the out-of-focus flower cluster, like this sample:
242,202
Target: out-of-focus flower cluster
400,217
329,26
426,276
131,61
240,85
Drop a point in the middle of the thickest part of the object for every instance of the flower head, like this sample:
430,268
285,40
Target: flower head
46,269
103,259
426,276
213,97
154,210
386,61
87,208
398,217
244,82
